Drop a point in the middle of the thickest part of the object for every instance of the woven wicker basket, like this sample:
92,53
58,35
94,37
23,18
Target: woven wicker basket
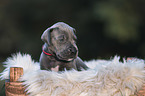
14,88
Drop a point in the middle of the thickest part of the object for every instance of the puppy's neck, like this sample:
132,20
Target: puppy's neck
50,54
47,51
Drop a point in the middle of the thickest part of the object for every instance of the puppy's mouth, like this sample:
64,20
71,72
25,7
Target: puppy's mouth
65,59
68,54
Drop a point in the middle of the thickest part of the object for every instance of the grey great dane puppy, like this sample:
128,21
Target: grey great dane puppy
60,51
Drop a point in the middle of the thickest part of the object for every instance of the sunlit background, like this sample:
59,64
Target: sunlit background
104,27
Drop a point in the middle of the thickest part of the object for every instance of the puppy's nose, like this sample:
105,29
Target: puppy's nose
72,50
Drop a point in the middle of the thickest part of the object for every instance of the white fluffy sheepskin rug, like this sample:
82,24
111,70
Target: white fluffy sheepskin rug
104,78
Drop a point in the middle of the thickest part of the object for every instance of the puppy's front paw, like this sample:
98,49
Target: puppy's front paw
56,69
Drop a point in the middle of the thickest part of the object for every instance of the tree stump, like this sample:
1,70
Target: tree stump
13,87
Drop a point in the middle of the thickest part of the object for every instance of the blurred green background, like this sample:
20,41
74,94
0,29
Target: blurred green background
104,27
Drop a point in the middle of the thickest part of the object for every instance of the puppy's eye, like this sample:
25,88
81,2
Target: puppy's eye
61,38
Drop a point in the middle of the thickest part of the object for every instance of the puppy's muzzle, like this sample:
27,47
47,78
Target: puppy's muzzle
68,54
72,51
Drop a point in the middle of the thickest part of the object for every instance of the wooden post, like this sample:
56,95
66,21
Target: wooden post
142,91
13,87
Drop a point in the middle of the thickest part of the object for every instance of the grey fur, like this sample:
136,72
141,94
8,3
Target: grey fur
60,42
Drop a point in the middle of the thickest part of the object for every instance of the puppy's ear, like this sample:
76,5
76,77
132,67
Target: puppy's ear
46,36
74,30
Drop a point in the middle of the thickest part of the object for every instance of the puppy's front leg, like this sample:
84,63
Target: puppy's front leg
56,69
80,64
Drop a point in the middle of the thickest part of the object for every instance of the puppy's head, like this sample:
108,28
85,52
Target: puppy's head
61,40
